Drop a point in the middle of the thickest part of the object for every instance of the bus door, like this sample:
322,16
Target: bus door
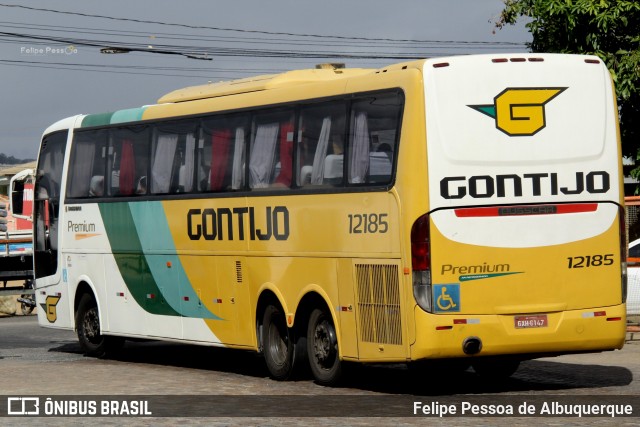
46,213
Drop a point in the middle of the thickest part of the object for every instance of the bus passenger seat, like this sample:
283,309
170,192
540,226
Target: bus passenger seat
305,175
333,168
96,187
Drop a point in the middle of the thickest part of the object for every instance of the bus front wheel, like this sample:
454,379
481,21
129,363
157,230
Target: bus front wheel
278,344
88,328
322,347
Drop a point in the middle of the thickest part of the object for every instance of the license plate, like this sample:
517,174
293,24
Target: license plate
535,321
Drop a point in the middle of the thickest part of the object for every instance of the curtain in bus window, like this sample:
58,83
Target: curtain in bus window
317,174
359,164
127,168
220,144
262,155
286,155
82,168
162,163
185,176
237,178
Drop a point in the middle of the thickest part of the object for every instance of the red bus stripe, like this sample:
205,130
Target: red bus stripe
492,211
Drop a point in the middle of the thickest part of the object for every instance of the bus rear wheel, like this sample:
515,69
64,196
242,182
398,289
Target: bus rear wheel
278,344
322,348
88,328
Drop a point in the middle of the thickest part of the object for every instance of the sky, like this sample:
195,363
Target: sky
52,66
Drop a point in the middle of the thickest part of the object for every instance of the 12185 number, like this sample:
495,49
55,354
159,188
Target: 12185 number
590,261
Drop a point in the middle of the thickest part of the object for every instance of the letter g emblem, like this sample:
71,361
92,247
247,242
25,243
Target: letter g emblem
520,111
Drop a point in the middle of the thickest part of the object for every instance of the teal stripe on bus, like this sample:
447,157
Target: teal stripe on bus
120,116
153,232
96,120
129,115
131,262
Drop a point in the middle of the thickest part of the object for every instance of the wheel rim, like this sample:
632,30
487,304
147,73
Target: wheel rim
324,344
278,344
91,325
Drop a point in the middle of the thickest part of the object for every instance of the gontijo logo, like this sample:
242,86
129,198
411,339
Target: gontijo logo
520,111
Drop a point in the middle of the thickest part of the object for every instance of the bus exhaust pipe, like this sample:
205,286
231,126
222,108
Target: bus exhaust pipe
472,345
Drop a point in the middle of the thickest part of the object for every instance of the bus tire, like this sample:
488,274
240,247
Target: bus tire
93,343
278,344
496,369
322,348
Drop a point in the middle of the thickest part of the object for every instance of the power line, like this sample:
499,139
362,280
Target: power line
276,33
249,40
197,50
97,69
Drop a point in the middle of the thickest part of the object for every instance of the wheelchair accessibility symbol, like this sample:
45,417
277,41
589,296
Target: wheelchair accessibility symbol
447,298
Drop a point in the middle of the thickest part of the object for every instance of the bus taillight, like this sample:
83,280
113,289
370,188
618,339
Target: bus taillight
421,262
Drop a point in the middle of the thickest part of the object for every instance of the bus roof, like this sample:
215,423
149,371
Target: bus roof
259,83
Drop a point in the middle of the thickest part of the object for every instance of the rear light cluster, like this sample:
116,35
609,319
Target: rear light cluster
421,262
503,60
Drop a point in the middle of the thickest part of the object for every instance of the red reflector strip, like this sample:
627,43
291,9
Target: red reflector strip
185,298
492,211
443,328
218,301
614,319
441,65
594,314
591,61
119,294
151,296
466,321
499,60
518,60
536,59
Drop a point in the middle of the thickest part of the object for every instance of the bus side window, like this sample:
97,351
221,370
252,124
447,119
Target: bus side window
127,160
374,131
270,163
221,153
87,164
320,151
162,160
218,176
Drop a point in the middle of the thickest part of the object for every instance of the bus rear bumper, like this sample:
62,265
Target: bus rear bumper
529,335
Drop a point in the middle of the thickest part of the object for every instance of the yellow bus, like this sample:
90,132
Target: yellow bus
464,209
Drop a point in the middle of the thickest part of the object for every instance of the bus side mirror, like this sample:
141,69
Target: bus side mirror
17,194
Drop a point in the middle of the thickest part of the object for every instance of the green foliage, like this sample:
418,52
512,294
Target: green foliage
609,29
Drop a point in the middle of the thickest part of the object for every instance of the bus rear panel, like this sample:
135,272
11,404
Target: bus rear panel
523,244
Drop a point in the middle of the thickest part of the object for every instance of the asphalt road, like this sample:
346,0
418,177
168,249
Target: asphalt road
46,362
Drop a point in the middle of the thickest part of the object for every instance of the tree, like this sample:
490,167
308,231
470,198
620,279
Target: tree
609,29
